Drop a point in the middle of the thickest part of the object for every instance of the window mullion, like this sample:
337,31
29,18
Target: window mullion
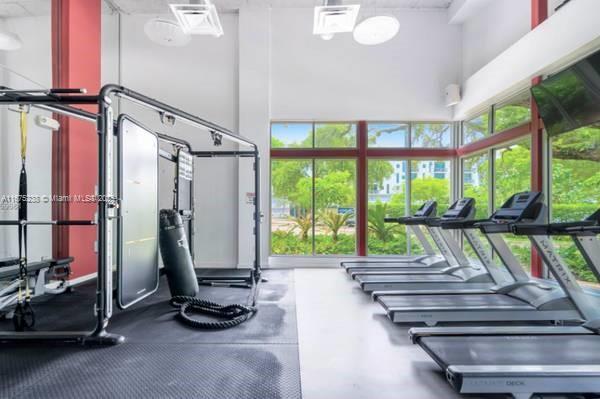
314,232
407,202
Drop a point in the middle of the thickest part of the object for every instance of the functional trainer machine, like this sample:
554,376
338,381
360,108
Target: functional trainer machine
114,210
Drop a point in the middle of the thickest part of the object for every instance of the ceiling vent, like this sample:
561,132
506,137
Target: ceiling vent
330,19
198,19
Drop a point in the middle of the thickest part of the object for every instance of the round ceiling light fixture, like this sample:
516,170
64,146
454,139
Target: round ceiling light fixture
376,30
166,33
9,41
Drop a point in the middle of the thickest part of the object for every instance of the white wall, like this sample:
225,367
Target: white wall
200,78
493,29
341,79
34,61
267,66
254,111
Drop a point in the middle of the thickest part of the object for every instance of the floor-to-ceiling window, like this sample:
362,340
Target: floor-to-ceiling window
574,188
496,162
313,199
323,175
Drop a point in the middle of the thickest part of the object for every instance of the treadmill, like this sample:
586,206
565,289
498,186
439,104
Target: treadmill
529,300
523,361
459,210
413,223
460,271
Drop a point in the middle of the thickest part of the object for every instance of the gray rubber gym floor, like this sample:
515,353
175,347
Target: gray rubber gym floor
317,335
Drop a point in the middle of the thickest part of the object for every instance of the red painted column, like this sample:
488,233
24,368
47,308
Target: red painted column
362,206
76,28
539,13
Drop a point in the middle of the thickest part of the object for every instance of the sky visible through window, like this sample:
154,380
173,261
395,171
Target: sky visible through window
291,134
388,135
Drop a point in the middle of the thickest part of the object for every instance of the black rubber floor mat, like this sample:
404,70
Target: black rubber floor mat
151,371
152,320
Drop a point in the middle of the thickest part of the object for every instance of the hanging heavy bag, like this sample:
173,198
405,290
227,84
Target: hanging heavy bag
183,282
176,257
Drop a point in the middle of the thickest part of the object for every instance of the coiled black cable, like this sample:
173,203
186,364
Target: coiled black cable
233,315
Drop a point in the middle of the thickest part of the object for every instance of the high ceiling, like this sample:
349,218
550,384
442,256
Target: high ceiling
23,8
157,6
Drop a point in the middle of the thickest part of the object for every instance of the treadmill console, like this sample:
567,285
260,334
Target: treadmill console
460,209
520,206
428,209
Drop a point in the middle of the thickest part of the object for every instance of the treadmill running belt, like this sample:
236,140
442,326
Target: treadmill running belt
365,278
383,265
452,302
507,350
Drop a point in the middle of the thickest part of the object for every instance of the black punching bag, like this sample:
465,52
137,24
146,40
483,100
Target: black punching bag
176,257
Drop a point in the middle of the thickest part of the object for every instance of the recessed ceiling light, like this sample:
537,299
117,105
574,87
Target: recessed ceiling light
335,19
376,30
166,33
198,19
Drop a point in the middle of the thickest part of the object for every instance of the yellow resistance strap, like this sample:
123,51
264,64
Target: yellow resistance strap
23,124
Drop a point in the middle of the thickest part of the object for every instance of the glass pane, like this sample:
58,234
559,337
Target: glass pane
512,168
291,207
475,182
291,135
388,135
431,135
430,180
476,185
335,203
512,113
335,135
387,197
476,128
575,181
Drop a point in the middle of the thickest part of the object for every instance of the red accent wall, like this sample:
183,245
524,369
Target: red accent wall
76,29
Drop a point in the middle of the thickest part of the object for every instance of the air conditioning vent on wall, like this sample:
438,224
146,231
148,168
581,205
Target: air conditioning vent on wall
335,19
198,19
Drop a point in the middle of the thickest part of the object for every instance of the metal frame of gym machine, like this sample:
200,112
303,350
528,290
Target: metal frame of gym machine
62,101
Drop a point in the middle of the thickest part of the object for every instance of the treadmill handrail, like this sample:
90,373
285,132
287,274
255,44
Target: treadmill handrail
461,224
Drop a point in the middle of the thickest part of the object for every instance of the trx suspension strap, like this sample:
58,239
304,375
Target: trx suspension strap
23,315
